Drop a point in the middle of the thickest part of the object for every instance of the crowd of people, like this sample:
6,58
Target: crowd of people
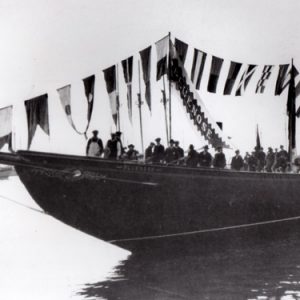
156,153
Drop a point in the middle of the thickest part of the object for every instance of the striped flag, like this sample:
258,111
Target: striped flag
266,73
231,77
111,87
162,49
146,66
6,126
127,65
282,79
37,114
245,80
198,67
181,49
215,69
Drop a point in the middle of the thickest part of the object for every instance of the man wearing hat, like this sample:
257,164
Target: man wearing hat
119,146
282,159
219,159
237,161
170,153
132,153
149,152
110,148
94,145
158,152
192,157
205,157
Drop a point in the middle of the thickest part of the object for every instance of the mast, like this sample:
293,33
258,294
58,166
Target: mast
291,111
140,109
164,100
170,88
118,99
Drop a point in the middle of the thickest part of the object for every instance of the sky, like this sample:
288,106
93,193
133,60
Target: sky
48,44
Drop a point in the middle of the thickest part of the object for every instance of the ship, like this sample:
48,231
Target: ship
135,203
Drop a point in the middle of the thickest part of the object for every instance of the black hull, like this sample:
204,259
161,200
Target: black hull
134,205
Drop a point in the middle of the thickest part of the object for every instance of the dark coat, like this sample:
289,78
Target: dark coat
252,161
237,163
192,158
220,160
270,160
179,152
170,154
149,153
158,153
205,159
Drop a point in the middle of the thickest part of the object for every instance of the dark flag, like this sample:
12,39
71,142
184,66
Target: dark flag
37,114
6,127
146,66
266,73
215,69
89,85
231,77
111,87
181,49
162,48
291,111
198,67
258,144
245,80
6,140
282,79
127,65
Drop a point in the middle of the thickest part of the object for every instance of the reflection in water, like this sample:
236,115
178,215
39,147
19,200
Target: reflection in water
252,270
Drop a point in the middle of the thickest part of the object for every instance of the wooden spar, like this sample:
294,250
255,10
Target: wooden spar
170,88
118,99
165,107
140,109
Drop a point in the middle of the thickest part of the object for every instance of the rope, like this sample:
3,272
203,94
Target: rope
153,237
24,205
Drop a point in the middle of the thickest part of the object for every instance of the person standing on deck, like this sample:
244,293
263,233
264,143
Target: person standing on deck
94,145
205,157
149,152
282,159
179,153
119,146
192,158
132,154
237,161
170,153
107,149
158,152
246,161
270,159
220,160
252,161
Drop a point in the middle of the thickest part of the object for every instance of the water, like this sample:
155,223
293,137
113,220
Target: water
41,258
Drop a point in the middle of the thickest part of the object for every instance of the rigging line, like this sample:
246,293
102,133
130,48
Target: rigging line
153,237
24,205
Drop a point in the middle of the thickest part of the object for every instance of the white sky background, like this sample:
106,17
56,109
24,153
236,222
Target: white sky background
48,44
